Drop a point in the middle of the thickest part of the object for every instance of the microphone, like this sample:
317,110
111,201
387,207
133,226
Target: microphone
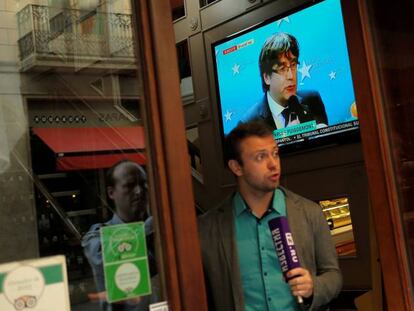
294,105
285,247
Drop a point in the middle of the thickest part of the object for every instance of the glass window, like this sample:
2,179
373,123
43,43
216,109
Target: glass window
187,97
73,158
183,58
194,150
177,8
206,2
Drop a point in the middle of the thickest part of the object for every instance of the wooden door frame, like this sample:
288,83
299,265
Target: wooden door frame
378,157
169,165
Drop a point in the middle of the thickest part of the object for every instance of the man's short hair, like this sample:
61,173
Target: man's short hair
110,179
278,44
241,132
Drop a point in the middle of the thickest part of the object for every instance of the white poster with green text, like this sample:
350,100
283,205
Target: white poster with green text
35,285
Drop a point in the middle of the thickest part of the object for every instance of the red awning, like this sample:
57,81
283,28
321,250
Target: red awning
75,145
92,139
96,161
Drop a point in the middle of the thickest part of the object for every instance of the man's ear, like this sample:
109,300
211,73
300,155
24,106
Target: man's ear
235,167
110,191
266,78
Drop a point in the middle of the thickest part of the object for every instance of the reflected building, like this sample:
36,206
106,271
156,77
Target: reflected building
69,110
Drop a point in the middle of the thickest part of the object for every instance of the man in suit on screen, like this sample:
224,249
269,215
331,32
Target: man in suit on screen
282,105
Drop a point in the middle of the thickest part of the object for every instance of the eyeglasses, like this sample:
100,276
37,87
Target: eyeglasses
284,68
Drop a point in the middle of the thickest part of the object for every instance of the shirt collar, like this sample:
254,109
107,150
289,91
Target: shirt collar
276,111
274,106
116,220
240,205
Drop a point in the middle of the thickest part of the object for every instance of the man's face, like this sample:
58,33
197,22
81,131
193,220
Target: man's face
260,168
128,192
282,81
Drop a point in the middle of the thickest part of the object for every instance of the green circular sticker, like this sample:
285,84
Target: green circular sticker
127,277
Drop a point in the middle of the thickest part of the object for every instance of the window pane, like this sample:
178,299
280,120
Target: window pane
177,8
69,111
206,2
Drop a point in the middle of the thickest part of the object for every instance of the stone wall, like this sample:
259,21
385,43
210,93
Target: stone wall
18,228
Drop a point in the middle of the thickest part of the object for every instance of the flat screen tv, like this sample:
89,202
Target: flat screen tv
304,92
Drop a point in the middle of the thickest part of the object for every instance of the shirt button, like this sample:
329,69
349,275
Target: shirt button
265,274
262,248
270,299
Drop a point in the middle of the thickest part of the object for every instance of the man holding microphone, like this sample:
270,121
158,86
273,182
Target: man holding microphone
241,265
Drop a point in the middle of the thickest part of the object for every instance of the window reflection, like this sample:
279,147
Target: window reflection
71,35
338,216
183,58
206,2
194,150
186,81
68,111
177,8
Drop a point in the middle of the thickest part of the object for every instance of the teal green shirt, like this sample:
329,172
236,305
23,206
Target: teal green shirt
264,287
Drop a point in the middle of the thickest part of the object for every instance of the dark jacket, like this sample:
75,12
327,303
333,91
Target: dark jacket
313,244
308,106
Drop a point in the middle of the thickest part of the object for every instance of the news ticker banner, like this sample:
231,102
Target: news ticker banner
36,285
309,130
125,260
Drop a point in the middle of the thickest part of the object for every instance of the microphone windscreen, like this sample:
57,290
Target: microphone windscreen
293,104
284,245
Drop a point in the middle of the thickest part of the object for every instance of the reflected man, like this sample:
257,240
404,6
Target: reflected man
127,187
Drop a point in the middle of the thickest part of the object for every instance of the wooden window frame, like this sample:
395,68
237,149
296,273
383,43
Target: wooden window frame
378,157
169,165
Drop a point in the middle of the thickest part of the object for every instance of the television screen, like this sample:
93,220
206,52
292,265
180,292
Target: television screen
293,72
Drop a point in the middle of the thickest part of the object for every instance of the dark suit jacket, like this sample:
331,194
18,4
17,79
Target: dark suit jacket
308,106
313,244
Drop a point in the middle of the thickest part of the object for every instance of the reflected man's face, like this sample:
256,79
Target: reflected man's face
129,192
282,81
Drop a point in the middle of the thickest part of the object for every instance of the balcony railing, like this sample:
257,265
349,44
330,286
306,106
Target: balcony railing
67,36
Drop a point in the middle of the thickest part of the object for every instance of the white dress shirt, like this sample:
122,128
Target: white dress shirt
276,110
